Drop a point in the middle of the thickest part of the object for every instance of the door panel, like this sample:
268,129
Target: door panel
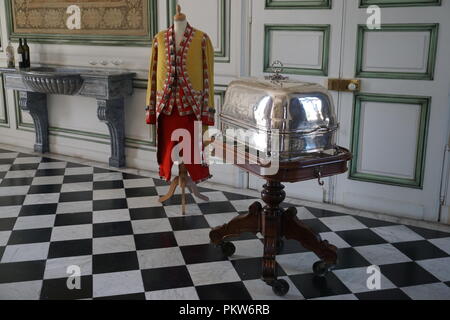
306,39
398,125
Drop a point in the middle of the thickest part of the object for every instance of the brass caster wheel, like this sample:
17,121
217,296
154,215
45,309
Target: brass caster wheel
280,287
228,249
321,268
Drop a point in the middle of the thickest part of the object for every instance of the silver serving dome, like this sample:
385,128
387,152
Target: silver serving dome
289,119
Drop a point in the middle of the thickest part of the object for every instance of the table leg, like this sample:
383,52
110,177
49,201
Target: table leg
113,114
250,222
273,195
36,104
294,229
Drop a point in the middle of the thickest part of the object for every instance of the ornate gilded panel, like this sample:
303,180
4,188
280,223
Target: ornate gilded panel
102,21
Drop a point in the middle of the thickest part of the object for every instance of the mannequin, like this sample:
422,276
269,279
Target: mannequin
183,40
180,24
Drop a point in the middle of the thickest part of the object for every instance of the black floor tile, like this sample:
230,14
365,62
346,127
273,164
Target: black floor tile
25,155
112,229
16,182
30,236
7,224
235,196
50,172
141,192
312,286
148,213
321,213
251,269
316,225
11,201
389,294
56,289
429,234
45,159
2,175
22,271
216,207
420,250
75,165
7,161
128,176
188,223
102,170
350,258
71,248
25,166
176,200
114,204
69,219
243,236
160,183
50,188
38,209
292,246
78,178
202,253
76,196
372,223
224,291
361,237
155,240
407,274
115,262
166,278
108,185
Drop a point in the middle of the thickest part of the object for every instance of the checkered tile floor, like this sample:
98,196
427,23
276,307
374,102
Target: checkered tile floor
56,214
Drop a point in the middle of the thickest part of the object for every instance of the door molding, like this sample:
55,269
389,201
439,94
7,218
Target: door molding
399,3
417,181
310,4
432,28
325,29
4,122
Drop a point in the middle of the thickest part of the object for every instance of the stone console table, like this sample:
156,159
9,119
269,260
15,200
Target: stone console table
109,88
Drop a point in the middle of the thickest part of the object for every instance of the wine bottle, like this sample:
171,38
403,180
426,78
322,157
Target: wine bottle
10,55
20,53
26,51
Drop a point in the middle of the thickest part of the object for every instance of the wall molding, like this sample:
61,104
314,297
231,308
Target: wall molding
310,4
325,29
399,3
5,121
433,29
101,40
417,181
223,54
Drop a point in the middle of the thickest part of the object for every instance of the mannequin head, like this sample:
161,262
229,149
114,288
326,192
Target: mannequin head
179,17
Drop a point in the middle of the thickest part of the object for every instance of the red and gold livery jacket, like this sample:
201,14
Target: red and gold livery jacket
182,78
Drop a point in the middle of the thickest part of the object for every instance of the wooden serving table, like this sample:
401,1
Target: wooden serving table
276,223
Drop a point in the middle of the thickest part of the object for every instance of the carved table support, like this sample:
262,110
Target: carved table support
273,195
275,223
36,104
112,112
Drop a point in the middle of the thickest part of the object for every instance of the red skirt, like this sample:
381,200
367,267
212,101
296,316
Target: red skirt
166,126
